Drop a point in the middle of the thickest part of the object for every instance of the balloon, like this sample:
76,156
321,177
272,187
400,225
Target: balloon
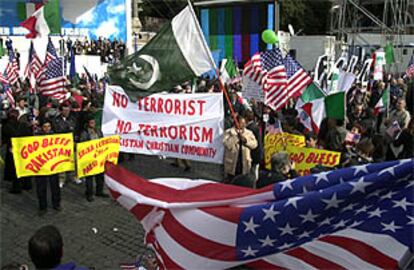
269,37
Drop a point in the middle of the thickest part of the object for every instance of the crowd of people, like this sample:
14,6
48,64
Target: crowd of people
364,135
110,51
81,113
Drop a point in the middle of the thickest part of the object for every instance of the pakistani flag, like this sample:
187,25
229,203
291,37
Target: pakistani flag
176,54
2,50
383,102
389,53
313,106
228,70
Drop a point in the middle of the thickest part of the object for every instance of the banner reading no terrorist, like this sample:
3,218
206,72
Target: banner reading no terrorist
188,126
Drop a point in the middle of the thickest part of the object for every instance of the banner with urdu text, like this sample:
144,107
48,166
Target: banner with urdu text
92,155
43,155
187,126
277,142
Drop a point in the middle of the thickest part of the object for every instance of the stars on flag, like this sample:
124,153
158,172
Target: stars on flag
270,213
333,202
267,241
359,186
390,227
347,198
308,217
403,203
250,226
376,213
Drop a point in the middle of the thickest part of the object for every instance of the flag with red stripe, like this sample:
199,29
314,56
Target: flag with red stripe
12,68
298,78
33,68
7,89
268,70
52,81
354,218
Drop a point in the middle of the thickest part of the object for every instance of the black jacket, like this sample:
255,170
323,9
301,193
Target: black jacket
257,153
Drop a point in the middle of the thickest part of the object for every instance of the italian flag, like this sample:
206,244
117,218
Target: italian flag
383,102
178,53
228,70
313,106
44,20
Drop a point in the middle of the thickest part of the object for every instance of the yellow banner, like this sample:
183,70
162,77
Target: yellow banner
275,143
43,155
92,155
307,158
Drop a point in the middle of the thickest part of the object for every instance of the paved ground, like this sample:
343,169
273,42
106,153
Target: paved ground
118,237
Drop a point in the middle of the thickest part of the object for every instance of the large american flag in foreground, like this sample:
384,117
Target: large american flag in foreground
267,69
354,218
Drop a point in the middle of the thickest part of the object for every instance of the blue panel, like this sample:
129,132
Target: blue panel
205,25
270,20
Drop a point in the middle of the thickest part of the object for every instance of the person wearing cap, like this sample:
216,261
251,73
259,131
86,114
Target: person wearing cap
282,169
42,181
90,132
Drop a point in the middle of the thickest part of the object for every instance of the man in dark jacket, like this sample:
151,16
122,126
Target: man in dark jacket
65,123
12,129
90,132
257,153
41,181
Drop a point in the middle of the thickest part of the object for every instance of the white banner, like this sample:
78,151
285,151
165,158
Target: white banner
187,126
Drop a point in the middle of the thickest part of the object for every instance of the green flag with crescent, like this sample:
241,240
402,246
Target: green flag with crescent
176,54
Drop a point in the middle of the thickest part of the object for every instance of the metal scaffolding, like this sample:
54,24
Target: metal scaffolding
392,19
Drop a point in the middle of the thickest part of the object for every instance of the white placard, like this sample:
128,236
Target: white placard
251,89
187,126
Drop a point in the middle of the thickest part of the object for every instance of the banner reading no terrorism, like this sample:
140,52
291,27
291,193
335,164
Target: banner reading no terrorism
187,126
43,155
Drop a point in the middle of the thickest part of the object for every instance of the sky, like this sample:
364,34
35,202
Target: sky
105,18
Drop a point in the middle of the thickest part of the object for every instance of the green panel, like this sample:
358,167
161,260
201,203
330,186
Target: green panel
228,18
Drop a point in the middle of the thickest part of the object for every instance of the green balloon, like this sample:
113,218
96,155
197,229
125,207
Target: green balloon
269,37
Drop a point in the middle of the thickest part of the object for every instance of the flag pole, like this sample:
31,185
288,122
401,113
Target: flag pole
222,88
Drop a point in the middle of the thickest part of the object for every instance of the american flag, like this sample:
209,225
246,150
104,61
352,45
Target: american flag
267,69
7,89
12,68
52,80
3,79
298,79
410,68
33,67
394,130
352,137
354,218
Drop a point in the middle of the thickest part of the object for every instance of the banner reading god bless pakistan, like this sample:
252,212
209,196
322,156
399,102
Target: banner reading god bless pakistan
188,126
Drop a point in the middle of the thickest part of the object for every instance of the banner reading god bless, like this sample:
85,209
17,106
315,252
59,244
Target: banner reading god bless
307,158
187,126
92,155
43,155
